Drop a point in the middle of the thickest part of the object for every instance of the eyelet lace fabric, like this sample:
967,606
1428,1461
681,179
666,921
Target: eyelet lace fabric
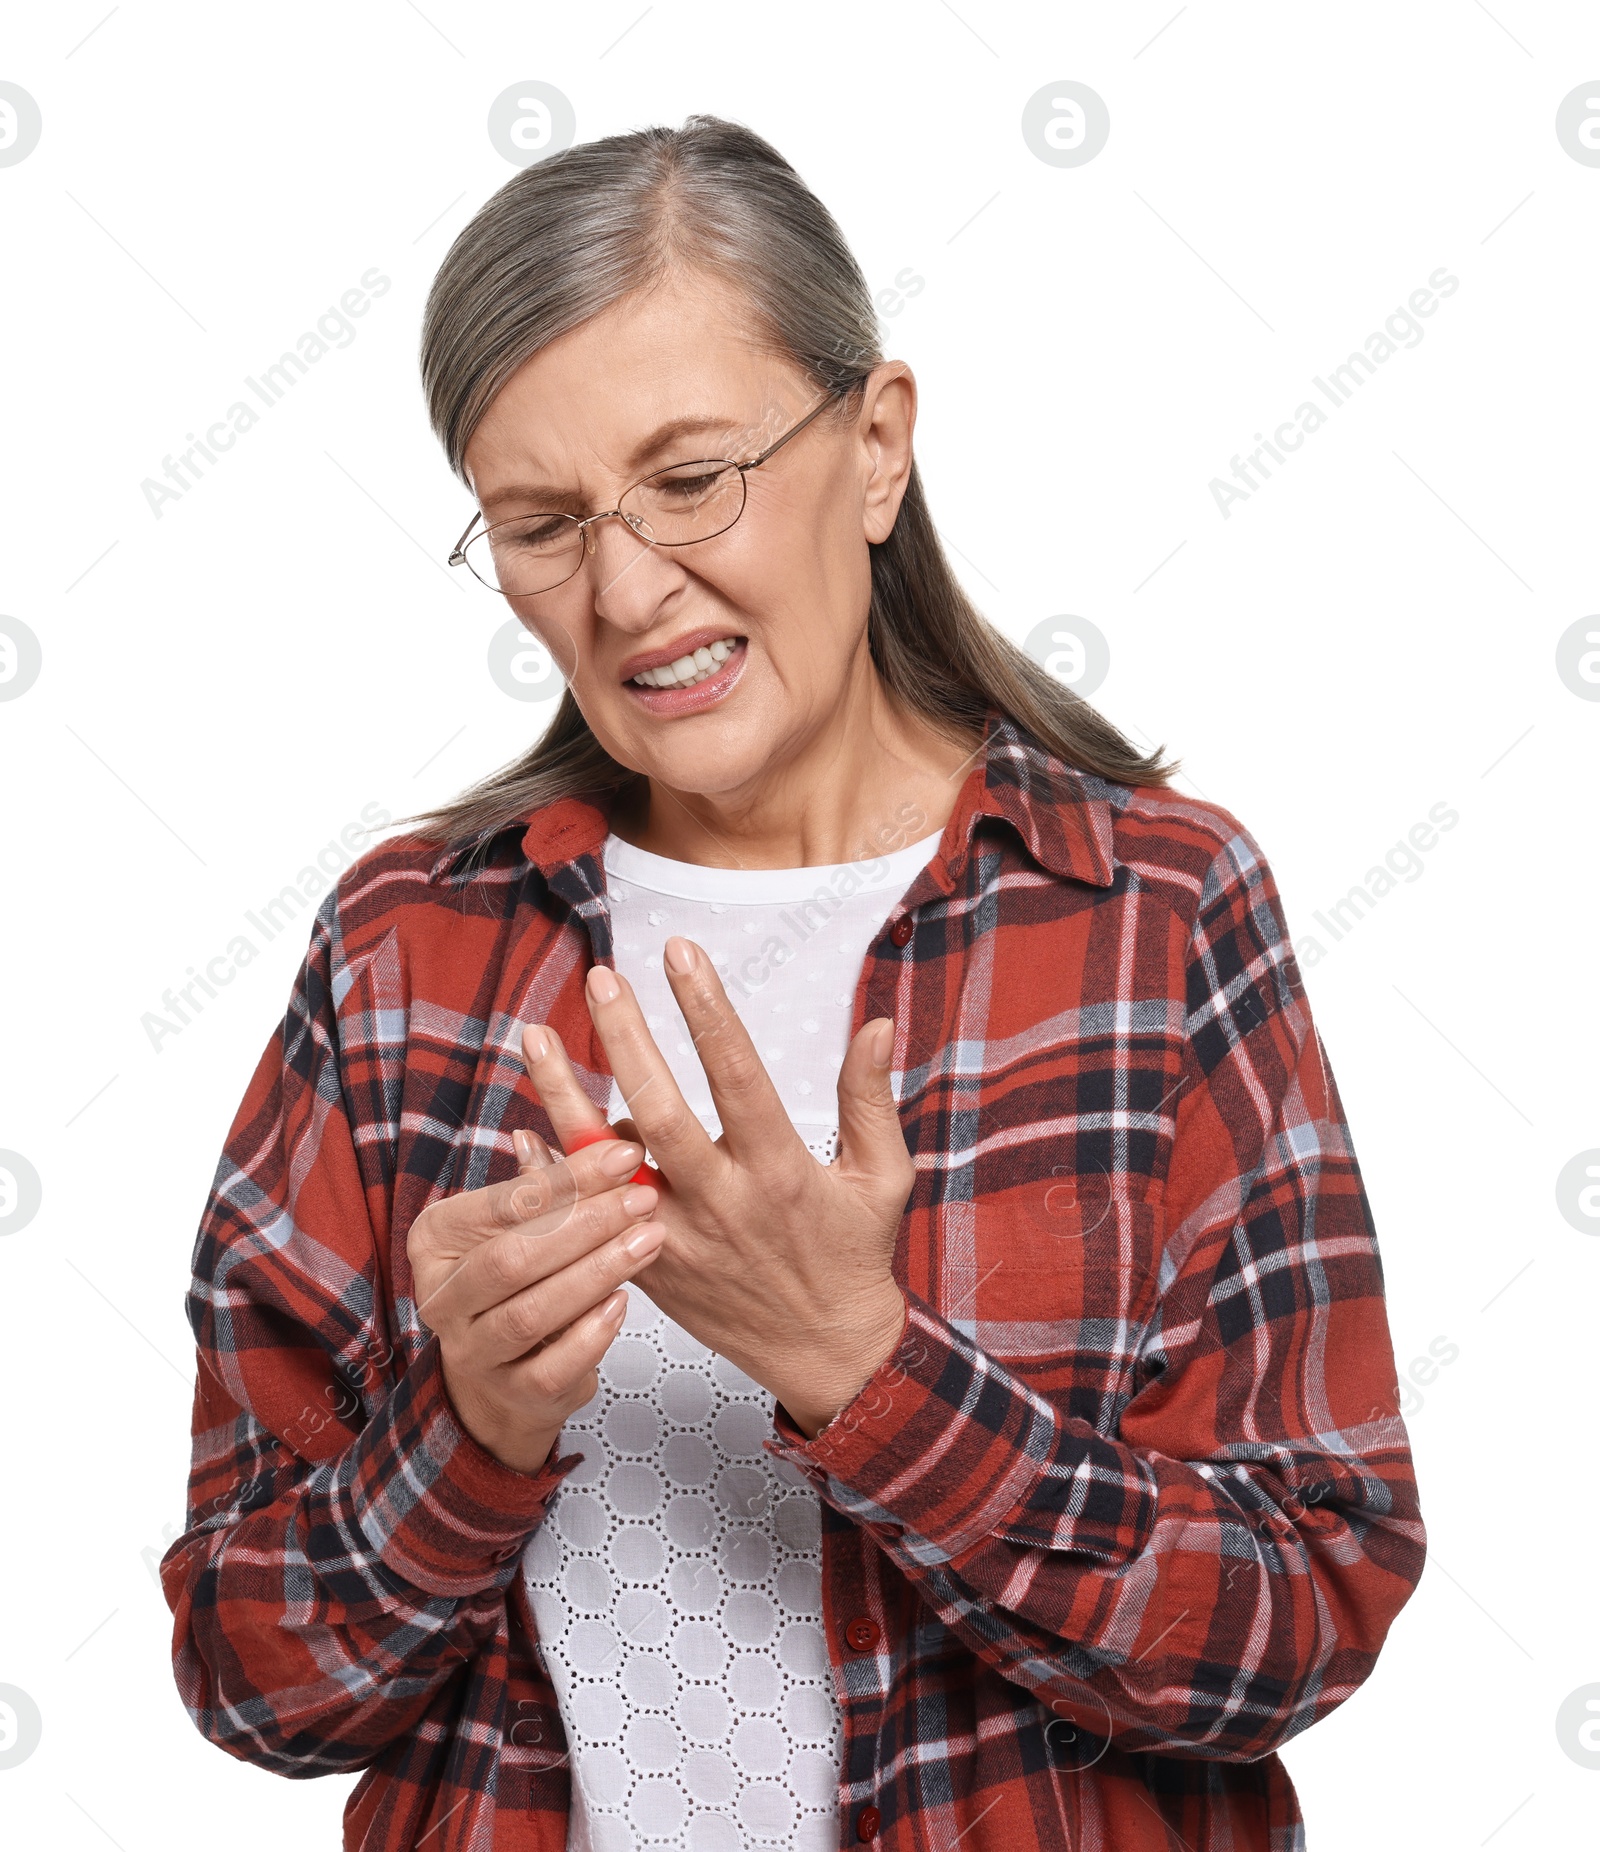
676,1578
676,1587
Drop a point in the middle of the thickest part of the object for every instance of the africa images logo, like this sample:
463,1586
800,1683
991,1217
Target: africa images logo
1402,328
335,327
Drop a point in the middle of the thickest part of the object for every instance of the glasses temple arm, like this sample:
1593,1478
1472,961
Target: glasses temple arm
455,552
834,392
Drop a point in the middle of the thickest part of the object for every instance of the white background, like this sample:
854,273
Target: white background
1372,633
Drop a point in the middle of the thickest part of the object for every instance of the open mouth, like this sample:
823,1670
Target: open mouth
688,670
694,681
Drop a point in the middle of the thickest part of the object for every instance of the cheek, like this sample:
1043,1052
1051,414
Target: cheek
791,553
563,638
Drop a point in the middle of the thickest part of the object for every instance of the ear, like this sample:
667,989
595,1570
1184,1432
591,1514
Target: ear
887,417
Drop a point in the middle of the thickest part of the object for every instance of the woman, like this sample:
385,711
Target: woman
976,1422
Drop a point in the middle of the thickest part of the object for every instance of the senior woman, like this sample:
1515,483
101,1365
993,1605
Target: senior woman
794,1274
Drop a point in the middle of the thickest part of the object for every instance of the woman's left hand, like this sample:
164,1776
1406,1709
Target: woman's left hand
774,1261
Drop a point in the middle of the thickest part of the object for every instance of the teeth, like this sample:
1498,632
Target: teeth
688,670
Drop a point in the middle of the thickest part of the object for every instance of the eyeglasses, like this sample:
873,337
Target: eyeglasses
674,507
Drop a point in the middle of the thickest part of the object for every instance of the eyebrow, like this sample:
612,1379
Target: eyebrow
547,495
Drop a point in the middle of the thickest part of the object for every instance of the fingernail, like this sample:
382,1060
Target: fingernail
639,1199
531,1150
603,986
617,1309
620,1160
883,1042
645,1240
679,955
534,1045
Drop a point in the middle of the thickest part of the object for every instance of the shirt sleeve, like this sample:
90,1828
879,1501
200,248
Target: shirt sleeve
348,1546
1220,1570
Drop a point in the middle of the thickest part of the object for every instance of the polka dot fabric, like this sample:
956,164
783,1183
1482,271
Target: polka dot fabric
675,1580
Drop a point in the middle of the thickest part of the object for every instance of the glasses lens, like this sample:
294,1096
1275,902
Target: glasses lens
530,554
690,501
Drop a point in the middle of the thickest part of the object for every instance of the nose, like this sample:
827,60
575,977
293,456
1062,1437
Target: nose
627,583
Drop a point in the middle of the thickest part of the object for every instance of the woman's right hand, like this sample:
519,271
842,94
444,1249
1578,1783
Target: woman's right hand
519,1281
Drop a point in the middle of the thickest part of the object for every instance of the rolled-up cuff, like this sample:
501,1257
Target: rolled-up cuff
442,1513
938,1450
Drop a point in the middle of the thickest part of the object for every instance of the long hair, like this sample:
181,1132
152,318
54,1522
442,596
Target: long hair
566,238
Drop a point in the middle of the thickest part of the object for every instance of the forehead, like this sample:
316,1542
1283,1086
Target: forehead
575,414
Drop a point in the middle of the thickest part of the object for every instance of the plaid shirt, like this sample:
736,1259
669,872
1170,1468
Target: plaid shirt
1130,1506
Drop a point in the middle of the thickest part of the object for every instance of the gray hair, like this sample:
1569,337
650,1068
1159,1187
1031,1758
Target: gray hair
566,238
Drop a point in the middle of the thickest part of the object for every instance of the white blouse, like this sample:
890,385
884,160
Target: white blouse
676,1578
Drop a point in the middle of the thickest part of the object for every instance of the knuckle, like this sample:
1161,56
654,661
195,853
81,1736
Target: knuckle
503,1271
528,1197
673,1123
608,1265
524,1318
563,1217
741,1070
784,1173
546,1380
597,1216
571,1394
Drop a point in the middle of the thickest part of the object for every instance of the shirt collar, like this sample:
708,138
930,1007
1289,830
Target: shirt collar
1061,814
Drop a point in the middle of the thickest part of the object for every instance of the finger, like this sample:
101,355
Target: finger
455,1225
753,1116
576,1119
644,1174
521,1256
509,1330
554,1369
569,1108
532,1152
671,1131
871,1139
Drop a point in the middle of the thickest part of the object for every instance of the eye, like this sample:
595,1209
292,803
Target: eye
539,530
687,482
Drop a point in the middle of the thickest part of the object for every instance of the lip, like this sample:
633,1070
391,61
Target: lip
669,702
686,645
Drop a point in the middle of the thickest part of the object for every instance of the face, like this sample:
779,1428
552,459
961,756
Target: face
783,593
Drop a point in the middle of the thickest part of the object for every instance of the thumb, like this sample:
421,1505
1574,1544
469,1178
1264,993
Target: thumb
532,1152
870,1137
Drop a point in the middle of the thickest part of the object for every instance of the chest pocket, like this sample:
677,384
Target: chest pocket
1058,1282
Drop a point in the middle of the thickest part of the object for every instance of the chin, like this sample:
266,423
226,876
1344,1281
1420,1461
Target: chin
709,767
709,752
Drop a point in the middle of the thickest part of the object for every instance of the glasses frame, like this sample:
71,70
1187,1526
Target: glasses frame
581,526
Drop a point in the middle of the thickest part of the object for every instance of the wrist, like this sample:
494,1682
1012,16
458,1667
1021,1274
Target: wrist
517,1446
840,1364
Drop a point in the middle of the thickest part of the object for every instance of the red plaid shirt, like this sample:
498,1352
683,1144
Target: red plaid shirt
1130,1506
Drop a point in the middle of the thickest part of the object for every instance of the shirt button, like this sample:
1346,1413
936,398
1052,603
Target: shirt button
862,1635
867,1823
505,1556
900,932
